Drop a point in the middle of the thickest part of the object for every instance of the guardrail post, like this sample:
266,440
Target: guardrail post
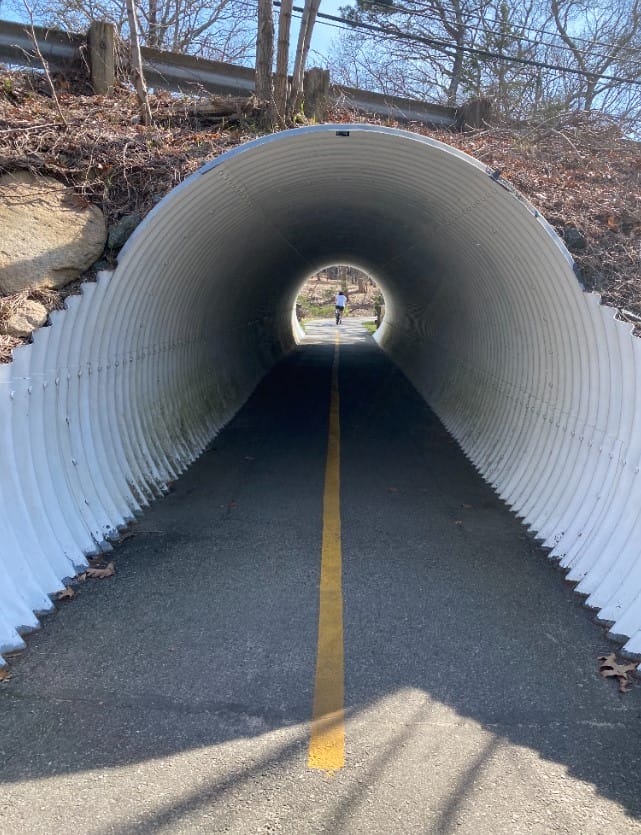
474,114
316,93
100,43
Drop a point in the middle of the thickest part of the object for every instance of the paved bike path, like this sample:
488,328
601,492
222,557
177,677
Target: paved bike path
176,697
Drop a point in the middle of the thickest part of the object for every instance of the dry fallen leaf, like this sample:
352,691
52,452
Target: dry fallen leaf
67,594
101,573
81,578
392,489
467,506
610,668
5,675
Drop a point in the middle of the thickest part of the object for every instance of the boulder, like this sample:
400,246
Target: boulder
29,316
49,235
119,233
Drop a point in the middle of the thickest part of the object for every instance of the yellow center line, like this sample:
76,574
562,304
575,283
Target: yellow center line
327,742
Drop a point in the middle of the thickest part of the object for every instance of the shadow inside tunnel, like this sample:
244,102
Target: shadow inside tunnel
206,638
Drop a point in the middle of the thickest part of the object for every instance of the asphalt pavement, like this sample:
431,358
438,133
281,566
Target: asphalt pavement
176,696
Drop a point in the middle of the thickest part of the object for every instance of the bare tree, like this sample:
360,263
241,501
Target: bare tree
224,30
45,65
533,57
602,40
136,64
265,52
284,100
281,81
502,70
310,10
433,36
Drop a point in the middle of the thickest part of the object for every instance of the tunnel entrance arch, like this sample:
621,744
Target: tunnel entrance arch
535,380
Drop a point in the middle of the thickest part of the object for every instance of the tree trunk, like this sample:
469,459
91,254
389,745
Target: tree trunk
152,35
457,71
136,64
282,59
265,53
590,93
304,40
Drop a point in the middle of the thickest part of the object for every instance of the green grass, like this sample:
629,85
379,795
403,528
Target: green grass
317,311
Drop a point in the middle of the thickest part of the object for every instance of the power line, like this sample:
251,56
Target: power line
532,29
450,48
516,36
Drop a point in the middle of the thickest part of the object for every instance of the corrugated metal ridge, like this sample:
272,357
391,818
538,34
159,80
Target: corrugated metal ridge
535,379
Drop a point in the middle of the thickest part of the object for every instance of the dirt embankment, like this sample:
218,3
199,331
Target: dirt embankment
579,172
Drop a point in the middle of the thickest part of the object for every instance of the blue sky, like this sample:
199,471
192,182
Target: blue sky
322,36
324,33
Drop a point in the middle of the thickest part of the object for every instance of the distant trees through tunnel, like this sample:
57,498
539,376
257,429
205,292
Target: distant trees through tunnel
317,295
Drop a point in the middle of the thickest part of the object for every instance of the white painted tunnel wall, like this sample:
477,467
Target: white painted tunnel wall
538,382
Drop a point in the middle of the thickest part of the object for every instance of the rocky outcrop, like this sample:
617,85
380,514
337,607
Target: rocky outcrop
49,234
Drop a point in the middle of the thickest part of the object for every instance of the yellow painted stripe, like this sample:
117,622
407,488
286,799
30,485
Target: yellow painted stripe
327,743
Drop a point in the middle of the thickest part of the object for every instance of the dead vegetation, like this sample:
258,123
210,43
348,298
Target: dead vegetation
622,673
584,177
109,158
580,172
50,299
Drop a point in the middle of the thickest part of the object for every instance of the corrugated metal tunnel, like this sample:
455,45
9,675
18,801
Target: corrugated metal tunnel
539,384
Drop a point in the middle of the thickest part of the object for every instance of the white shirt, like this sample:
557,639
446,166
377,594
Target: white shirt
341,300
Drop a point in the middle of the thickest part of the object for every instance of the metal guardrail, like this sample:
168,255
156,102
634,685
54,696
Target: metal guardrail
190,74
187,73
393,107
59,49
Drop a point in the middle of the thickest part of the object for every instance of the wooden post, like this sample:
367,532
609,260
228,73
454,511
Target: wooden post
316,94
100,43
474,114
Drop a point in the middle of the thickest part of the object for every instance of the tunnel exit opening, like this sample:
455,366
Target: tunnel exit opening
365,299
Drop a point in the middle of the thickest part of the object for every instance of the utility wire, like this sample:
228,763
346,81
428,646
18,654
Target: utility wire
471,15
343,24
450,48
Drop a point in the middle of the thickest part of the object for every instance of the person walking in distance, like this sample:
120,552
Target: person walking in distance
341,301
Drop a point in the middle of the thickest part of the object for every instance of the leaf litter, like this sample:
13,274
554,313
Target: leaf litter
611,668
578,170
101,573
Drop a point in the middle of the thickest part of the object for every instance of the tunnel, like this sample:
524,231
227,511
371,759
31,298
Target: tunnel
537,382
